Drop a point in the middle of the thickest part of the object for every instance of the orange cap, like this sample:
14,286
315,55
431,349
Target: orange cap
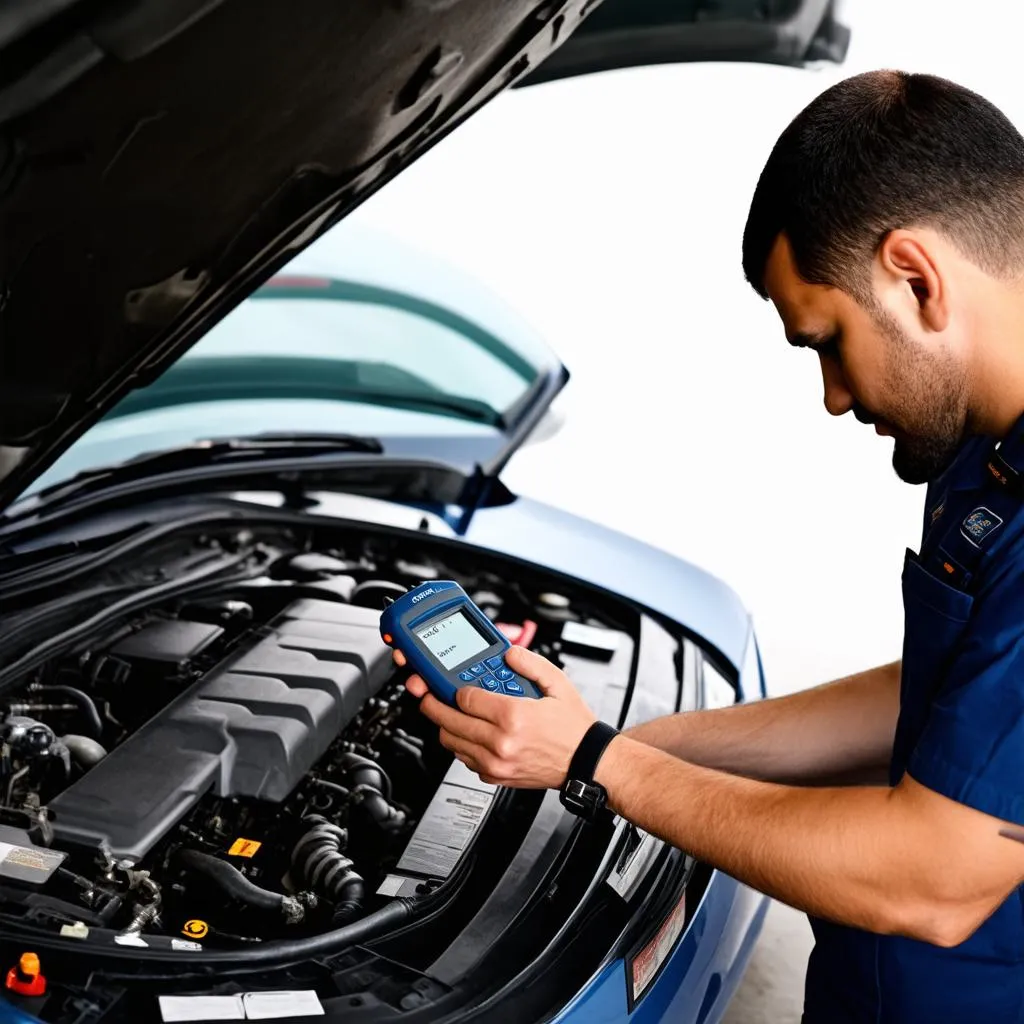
26,979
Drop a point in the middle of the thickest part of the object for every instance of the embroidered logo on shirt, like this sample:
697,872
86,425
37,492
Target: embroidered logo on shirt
938,510
979,525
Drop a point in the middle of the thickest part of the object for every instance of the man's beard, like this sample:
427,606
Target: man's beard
929,407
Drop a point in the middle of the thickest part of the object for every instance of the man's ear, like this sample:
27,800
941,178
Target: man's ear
910,276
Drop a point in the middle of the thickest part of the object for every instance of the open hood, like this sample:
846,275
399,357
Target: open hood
624,33
159,159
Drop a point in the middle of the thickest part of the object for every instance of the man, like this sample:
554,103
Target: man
888,231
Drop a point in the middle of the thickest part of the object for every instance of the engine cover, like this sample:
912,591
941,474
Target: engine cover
252,727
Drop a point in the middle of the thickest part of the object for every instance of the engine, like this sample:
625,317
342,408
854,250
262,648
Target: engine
245,764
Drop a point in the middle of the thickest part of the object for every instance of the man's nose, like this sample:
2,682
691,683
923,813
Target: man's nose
838,399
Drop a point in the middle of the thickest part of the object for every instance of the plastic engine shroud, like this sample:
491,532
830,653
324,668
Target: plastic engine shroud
252,727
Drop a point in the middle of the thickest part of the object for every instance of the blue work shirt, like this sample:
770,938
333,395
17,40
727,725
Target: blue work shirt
960,732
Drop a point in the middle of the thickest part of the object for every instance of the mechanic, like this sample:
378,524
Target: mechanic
887,228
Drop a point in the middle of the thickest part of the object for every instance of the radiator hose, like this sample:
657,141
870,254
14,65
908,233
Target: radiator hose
234,884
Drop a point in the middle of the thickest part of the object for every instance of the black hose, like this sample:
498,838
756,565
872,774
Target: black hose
82,700
373,774
319,860
227,877
369,782
285,951
85,750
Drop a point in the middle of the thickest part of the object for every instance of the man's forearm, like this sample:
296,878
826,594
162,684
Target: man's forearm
855,855
839,732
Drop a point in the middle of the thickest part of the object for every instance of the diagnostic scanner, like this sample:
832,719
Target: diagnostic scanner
449,642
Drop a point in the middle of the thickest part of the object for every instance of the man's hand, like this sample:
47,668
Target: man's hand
512,741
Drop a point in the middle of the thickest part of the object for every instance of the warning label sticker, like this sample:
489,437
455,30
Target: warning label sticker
445,830
244,848
28,864
648,961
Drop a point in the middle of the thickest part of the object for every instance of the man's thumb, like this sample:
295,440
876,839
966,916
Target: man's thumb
539,670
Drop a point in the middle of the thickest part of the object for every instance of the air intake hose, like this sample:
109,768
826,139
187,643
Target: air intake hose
370,790
319,860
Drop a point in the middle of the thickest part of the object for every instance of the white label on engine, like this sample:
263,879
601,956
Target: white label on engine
391,886
274,1005
187,1008
445,830
29,864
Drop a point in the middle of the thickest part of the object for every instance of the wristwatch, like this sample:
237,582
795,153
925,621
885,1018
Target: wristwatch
580,793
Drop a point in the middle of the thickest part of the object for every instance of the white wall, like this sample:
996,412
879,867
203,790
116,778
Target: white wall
610,211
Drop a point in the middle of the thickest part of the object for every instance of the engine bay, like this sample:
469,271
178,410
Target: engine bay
211,748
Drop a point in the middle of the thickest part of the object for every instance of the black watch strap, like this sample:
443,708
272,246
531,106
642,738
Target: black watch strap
580,793
583,765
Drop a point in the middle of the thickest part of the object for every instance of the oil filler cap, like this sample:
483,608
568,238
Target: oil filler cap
195,929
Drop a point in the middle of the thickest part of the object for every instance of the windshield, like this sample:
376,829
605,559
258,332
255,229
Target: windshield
323,338
387,346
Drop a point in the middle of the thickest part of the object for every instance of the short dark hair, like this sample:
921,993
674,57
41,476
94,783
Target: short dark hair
881,151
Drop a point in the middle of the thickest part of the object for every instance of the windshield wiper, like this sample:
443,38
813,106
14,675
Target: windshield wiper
199,455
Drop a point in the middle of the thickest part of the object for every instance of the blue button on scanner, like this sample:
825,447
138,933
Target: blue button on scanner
504,674
495,662
477,669
467,676
490,683
512,688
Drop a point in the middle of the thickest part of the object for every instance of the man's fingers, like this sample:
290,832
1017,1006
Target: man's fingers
451,720
416,686
465,751
482,704
398,658
539,670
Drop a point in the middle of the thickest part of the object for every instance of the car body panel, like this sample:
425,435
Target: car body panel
562,542
700,975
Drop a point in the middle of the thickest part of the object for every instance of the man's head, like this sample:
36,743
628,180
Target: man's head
888,230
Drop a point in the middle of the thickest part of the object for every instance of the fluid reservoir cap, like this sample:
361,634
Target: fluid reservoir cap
549,600
26,977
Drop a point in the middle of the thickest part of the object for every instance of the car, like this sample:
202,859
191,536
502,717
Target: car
231,427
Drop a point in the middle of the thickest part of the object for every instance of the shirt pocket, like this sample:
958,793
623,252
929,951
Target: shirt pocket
925,596
935,620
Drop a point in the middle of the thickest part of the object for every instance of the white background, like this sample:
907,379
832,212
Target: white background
609,210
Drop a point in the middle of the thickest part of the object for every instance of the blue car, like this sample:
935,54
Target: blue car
231,428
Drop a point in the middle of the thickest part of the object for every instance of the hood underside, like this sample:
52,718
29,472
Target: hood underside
159,159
